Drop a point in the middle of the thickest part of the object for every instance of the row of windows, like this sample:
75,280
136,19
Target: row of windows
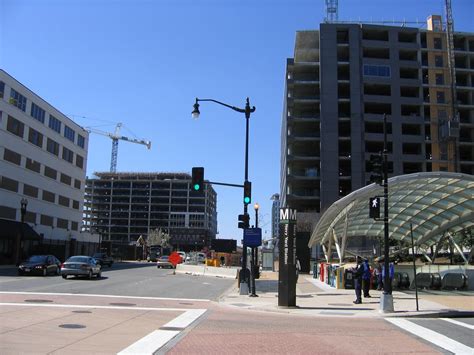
377,70
15,158
32,191
18,128
19,101
45,220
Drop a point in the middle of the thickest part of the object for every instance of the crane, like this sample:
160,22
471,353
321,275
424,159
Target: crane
115,138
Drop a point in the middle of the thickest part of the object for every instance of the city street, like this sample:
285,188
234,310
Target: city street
137,308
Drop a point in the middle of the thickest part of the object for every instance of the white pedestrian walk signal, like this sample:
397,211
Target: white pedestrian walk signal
374,207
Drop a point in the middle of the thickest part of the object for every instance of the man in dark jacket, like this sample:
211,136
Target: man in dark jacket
358,272
366,279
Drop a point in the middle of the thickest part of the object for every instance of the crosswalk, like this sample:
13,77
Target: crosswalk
453,335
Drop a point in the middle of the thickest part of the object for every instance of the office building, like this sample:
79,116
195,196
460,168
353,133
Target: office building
43,157
124,206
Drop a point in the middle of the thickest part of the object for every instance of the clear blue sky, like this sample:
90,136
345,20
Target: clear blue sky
142,63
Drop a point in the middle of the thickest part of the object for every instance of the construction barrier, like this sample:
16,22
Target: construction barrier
204,270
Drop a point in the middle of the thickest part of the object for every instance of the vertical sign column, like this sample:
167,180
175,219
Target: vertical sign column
287,259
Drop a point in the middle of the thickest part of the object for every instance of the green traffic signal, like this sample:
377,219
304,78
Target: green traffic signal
197,187
247,200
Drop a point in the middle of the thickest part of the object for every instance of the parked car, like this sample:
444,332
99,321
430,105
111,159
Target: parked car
81,265
164,262
103,259
40,265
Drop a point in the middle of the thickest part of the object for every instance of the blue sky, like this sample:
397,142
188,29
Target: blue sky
143,63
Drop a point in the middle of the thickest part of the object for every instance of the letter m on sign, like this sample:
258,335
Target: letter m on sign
287,215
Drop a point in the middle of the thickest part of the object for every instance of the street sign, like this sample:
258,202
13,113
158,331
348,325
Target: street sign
374,207
252,237
175,258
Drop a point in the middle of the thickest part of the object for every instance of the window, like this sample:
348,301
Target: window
16,127
440,97
439,79
74,226
7,212
81,141
52,147
68,155
63,201
75,204
54,124
437,43
69,133
33,165
12,157
46,220
50,172
8,184
17,99
377,70
37,112
65,179
79,161
77,184
2,89
49,196
35,137
62,223
438,61
29,190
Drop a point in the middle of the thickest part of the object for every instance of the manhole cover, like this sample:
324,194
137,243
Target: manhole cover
123,304
38,301
81,312
72,326
187,303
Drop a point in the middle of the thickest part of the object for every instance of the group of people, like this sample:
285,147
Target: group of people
362,276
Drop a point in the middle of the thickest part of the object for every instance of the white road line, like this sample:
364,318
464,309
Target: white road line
431,336
91,306
97,295
185,319
150,343
462,324
158,338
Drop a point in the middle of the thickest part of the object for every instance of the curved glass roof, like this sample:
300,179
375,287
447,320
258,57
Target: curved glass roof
434,202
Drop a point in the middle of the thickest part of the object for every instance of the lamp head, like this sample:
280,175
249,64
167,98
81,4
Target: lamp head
256,206
196,112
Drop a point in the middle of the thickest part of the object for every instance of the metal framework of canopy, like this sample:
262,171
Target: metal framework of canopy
435,203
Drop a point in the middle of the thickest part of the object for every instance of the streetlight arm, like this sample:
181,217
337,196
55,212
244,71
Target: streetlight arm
247,109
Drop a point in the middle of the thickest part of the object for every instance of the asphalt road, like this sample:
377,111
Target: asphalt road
122,279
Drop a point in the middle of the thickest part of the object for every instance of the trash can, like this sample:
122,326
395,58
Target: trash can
348,279
315,270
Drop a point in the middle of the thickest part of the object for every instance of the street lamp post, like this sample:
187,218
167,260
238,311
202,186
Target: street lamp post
386,299
254,257
247,111
20,236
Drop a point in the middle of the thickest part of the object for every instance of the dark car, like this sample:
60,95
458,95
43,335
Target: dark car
81,266
40,265
103,259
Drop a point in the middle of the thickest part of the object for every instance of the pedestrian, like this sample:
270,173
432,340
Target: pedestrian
358,271
298,268
391,272
366,279
378,275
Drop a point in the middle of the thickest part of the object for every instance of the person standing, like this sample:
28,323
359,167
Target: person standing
378,275
366,279
358,271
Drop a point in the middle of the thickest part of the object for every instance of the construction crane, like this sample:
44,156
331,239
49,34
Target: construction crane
331,11
115,138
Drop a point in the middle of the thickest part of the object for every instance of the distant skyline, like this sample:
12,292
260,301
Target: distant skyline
143,63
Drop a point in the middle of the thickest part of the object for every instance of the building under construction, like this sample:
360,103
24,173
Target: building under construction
124,206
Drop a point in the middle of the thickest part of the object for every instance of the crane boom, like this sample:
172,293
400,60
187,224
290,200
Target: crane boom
115,138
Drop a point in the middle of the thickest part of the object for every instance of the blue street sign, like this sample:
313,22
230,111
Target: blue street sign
253,237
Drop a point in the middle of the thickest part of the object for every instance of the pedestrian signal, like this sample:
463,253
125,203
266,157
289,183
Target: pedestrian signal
374,207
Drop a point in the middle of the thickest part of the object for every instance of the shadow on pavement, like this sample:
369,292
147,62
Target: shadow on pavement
266,285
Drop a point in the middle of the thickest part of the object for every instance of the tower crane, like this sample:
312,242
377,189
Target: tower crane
115,138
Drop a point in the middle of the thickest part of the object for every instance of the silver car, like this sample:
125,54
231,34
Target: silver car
81,266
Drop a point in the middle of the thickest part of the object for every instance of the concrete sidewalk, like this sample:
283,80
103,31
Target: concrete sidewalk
314,298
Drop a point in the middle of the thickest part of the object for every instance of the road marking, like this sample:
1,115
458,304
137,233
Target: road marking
469,326
431,336
92,306
97,295
154,341
150,343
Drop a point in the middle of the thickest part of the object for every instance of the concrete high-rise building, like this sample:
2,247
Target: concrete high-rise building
123,206
43,157
339,84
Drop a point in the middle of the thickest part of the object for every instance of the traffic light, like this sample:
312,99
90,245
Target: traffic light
374,207
197,183
244,220
247,192
376,168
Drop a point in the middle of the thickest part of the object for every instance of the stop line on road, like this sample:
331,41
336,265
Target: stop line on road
434,337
